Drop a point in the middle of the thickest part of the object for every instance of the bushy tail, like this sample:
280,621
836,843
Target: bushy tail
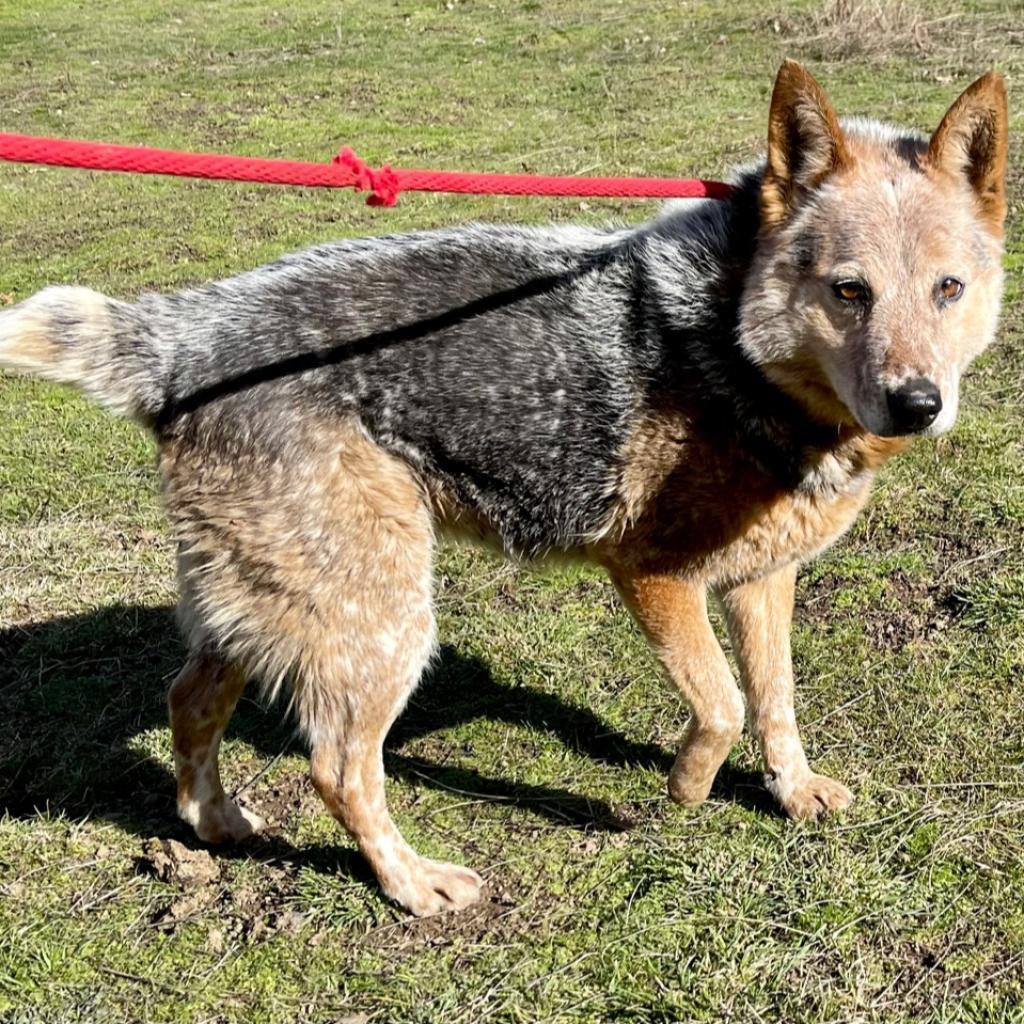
101,346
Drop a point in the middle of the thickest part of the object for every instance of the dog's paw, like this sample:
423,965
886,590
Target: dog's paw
684,789
225,822
431,887
811,796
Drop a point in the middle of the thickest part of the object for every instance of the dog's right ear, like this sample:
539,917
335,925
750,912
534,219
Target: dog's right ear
805,142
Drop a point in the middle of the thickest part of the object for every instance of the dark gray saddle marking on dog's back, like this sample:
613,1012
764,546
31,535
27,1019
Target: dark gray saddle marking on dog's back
480,357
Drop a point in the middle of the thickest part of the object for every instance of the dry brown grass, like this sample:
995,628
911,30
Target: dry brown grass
942,45
841,29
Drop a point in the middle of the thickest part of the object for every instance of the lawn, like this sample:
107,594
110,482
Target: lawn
537,751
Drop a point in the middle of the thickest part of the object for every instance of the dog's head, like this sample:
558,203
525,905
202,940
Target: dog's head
878,274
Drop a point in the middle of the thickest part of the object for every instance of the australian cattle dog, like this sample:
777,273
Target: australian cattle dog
698,404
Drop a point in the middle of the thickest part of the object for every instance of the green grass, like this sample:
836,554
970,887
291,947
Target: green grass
537,752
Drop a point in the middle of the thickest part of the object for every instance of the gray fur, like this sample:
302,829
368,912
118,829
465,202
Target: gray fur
490,357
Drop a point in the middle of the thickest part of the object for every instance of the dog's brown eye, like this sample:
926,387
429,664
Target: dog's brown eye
950,289
850,291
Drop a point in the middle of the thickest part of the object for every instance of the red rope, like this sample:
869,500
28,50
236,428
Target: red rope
345,171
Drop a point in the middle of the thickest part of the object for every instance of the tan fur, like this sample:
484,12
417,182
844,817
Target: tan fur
937,218
674,517
459,522
677,537
672,612
759,615
980,112
201,701
805,144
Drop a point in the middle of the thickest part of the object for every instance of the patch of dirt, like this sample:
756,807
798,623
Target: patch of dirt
922,973
246,914
184,908
911,614
193,872
259,927
14,890
176,864
900,618
497,918
911,610
287,797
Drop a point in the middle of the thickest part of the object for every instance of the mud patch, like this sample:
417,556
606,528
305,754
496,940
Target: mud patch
286,798
911,609
244,913
193,872
174,863
497,919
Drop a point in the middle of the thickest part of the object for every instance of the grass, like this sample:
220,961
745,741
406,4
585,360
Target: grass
538,750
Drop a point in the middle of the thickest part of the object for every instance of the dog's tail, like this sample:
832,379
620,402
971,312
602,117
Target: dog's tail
101,346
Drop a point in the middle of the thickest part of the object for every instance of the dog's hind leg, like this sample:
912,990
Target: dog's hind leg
350,691
201,700
312,570
348,772
672,612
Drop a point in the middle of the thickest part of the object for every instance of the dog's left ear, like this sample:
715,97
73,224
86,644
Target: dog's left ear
805,142
972,140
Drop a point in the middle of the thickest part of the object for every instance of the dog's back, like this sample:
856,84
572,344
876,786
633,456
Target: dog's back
495,360
508,365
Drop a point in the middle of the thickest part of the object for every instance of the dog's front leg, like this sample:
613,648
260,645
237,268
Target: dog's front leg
673,614
759,615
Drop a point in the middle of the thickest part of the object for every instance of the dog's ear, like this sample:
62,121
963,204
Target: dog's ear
805,142
972,141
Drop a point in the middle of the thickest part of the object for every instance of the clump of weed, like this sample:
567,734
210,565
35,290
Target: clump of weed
840,29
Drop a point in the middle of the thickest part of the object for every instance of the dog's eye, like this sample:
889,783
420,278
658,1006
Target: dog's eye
950,289
852,292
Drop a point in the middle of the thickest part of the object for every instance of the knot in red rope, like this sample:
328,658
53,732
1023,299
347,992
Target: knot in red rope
382,184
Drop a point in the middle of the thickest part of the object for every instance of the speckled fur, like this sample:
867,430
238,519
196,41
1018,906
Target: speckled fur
683,403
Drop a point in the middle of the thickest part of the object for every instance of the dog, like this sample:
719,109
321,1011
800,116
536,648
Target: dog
698,404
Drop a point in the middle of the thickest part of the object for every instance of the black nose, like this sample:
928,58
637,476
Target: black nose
914,405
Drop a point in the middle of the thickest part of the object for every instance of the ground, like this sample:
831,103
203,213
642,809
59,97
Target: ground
538,749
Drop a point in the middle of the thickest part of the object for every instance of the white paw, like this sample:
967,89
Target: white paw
430,887
224,822
810,796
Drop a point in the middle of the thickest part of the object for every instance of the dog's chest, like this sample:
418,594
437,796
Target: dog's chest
705,511
793,527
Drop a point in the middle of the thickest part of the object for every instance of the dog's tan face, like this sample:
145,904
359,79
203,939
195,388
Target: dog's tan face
878,277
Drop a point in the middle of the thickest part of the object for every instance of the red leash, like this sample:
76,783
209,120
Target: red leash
346,170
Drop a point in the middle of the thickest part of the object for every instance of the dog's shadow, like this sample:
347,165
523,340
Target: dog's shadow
82,716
